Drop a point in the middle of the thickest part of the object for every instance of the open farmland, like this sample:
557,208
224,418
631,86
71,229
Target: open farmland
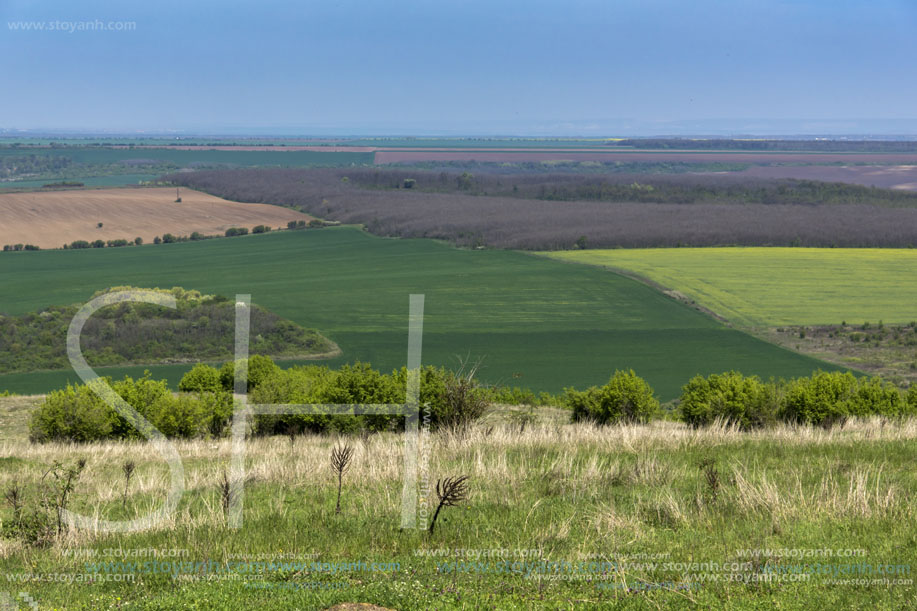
50,219
778,286
561,211
537,323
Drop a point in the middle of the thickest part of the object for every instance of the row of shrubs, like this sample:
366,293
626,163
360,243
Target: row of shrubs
204,405
824,399
450,399
167,238
301,224
76,244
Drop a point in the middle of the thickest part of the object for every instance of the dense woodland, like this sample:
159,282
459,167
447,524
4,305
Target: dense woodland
575,211
28,165
201,327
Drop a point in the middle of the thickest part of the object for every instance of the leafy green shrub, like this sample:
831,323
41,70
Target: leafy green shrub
260,229
77,414
728,396
826,398
875,396
234,231
456,400
201,378
626,397
74,413
294,385
820,399
259,368
912,398
447,399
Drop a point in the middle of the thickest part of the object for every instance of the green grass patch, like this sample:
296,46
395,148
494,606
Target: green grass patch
562,516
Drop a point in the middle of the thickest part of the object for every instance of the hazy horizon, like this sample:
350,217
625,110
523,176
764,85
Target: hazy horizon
581,68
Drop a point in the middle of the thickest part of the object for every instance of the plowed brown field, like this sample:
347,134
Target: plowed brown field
51,219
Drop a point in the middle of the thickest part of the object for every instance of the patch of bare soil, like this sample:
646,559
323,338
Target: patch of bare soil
51,219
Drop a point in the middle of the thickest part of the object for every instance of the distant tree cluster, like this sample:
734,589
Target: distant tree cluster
147,333
19,165
18,247
77,244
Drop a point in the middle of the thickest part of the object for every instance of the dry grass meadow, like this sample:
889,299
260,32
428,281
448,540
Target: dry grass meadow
603,500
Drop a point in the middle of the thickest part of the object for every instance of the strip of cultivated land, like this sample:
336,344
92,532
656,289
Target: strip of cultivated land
778,286
562,211
52,219
535,322
558,515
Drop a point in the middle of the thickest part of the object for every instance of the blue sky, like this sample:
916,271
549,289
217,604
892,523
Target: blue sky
574,67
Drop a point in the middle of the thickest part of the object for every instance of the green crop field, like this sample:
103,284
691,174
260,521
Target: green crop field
778,286
535,322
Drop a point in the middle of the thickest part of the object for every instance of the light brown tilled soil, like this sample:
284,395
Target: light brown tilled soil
51,219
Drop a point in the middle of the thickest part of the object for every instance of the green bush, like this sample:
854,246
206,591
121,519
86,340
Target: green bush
626,397
728,396
259,368
201,378
875,396
820,399
446,399
74,413
827,398
77,414
455,400
294,385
